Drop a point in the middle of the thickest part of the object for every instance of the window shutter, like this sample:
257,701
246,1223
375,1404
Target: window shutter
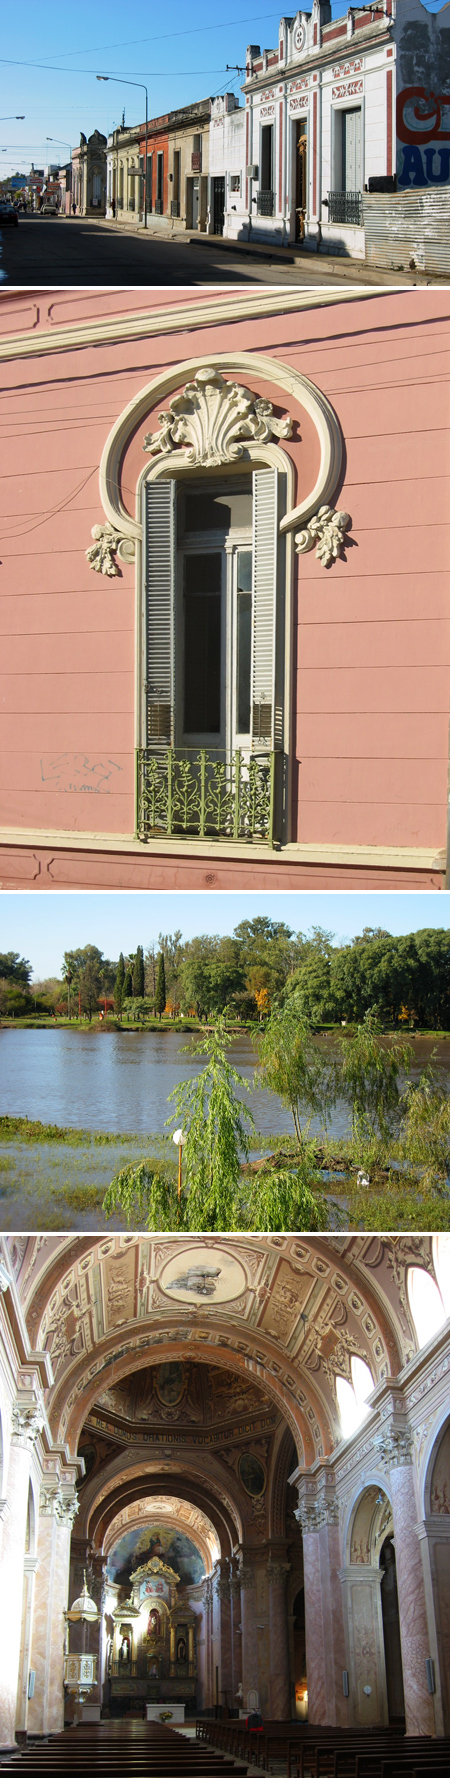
159,591
265,529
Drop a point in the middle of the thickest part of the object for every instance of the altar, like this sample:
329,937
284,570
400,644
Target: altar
171,1714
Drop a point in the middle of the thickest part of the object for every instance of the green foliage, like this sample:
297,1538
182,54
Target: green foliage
119,985
127,986
426,1132
218,1129
89,988
285,1199
292,1065
369,1080
15,969
145,1198
77,961
160,996
138,974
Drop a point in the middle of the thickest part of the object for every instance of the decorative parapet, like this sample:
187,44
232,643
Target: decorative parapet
212,419
108,544
394,1447
326,532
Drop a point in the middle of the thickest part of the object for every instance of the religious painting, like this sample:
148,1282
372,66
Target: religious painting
154,1623
181,1649
252,1474
217,1275
170,1383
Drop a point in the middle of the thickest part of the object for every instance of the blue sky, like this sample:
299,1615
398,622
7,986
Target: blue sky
42,927
180,57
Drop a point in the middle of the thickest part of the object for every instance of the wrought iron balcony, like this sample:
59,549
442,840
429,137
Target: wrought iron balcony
190,793
265,203
346,206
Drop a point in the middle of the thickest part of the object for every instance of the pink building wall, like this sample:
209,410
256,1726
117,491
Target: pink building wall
371,634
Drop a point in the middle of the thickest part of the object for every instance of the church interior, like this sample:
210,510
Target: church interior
225,1503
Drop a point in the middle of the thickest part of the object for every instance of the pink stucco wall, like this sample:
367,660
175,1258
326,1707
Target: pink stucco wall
372,643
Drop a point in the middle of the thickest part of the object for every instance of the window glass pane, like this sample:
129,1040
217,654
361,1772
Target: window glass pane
243,640
205,512
202,626
425,1303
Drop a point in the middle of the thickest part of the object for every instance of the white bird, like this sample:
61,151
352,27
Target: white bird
362,1178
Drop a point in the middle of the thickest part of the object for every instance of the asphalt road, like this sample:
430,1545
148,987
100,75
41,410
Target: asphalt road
77,252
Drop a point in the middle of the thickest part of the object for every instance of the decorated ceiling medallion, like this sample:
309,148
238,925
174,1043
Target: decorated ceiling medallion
252,1474
212,419
170,1383
202,1275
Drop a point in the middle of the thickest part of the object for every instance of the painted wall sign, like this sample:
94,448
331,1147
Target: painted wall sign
423,105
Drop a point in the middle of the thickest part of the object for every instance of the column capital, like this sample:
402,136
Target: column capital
27,1421
277,1572
394,1446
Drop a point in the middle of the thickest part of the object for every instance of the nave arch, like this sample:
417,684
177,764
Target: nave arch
290,1520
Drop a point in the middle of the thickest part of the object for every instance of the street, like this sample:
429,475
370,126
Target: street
75,251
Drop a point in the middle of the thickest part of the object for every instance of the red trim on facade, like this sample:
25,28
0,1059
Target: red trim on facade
338,31
389,120
315,34
247,121
280,159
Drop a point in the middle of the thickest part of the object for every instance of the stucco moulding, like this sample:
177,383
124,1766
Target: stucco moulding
214,420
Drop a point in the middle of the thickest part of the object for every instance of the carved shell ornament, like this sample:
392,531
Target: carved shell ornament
209,422
211,418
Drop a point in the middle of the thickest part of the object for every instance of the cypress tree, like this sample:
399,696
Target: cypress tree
127,986
138,974
119,985
160,997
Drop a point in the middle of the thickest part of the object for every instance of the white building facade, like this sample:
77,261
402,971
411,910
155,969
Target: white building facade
228,214
342,106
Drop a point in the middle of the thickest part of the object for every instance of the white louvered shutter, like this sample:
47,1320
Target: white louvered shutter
160,600
265,529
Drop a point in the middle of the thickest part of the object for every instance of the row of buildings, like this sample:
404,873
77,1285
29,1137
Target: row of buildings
340,108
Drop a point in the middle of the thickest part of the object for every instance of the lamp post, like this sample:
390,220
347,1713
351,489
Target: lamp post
179,1139
143,89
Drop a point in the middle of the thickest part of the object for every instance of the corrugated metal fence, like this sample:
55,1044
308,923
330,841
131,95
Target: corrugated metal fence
409,230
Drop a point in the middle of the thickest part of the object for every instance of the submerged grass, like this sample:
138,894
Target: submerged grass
53,1177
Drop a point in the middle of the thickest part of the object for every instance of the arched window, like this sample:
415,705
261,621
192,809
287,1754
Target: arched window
352,1397
441,1261
426,1305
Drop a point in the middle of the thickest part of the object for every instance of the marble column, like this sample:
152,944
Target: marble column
56,1515
280,1701
236,1635
249,1631
30,1566
226,1650
332,1615
434,1540
314,1625
26,1425
396,1451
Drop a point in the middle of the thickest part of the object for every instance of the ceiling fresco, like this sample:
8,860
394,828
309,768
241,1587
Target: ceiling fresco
132,1321
172,1547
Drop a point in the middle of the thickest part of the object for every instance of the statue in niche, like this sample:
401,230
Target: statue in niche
181,1649
125,1649
154,1623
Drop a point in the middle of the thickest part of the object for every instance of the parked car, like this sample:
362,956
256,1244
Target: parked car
8,215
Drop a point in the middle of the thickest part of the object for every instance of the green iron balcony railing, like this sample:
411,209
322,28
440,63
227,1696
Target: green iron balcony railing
190,792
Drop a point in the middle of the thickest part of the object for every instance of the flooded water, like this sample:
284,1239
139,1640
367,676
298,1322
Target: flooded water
121,1080
116,1082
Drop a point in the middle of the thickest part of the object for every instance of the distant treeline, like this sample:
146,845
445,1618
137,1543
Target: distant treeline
406,979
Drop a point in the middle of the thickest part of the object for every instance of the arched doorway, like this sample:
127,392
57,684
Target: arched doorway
391,1634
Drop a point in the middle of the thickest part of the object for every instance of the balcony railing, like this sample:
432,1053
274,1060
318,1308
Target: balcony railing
175,207
190,793
265,203
346,206
159,207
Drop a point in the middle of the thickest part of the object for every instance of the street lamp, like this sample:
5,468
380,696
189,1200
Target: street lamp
179,1139
59,143
143,89
18,117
